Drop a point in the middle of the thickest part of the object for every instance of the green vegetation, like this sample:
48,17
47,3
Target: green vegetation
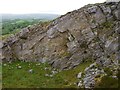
3,37
107,82
13,23
0,68
22,78
13,26
0,75
107,25
10,27
108,71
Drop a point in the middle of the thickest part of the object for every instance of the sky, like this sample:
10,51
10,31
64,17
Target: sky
42,6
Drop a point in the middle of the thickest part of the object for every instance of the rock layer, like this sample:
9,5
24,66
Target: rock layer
89,33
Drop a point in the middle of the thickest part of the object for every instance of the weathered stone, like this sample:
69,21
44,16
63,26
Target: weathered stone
93,9
43,60
51,75
90,73
72,46
53,32
30,71
47,75
79,75
24,33
117,14
19,67
54,72
80,84
4,64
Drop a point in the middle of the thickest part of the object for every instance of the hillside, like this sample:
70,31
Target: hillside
89,34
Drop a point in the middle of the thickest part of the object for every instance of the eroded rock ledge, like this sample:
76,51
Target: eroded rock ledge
89,33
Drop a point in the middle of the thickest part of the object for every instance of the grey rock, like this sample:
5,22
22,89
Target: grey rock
30,71
38,64
71,46
47,75
45,68
117,14
92,65
115,77
53,32
86,69
93,9
4,64
19,67
43,60
23,33
54,72
90,73
80,84
51,75
79,75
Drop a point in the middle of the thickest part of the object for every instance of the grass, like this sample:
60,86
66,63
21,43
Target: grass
0,75
107,24
3,37
107,82
13,77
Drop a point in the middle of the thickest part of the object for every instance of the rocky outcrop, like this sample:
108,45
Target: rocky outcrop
89,33
93,75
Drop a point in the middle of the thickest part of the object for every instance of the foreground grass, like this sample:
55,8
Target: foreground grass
108,82
0,75
14,77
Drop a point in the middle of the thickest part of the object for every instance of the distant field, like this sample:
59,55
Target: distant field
13,26
10,27
13,23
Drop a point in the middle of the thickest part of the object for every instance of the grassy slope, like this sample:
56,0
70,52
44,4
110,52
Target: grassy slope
107,82
21,78
0,75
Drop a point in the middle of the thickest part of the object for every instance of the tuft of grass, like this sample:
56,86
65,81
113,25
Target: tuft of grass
107,24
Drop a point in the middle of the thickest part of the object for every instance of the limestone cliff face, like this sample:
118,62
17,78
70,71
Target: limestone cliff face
89,33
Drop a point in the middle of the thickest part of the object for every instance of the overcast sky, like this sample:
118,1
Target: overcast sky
42,6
